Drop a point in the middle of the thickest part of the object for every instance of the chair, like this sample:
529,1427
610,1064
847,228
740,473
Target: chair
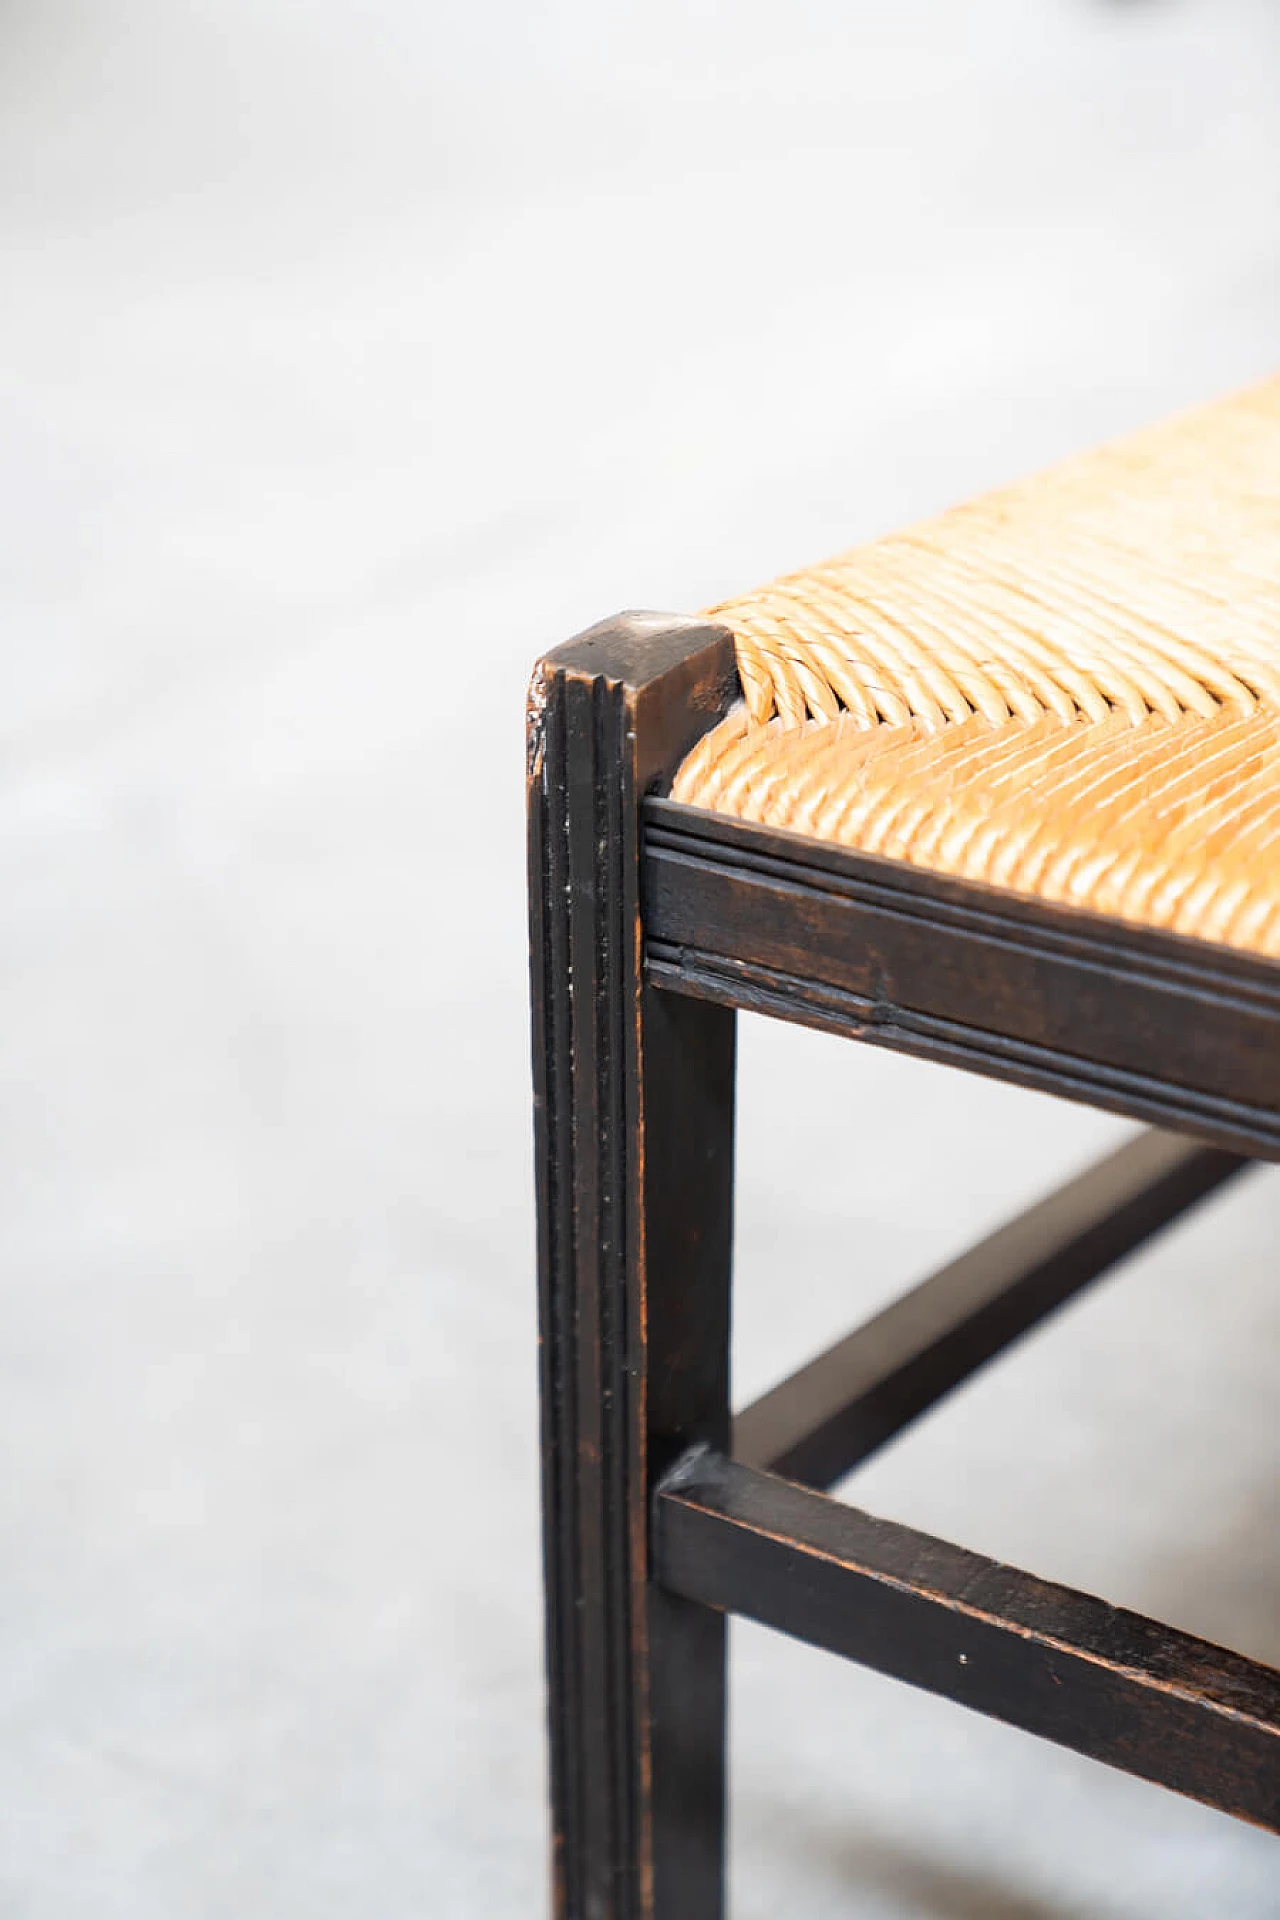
1002,791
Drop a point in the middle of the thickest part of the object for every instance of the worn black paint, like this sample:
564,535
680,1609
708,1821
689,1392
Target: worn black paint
1132,1692
651,923
633,1148
831,1414
1145,1023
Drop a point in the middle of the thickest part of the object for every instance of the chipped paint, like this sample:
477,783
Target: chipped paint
535,714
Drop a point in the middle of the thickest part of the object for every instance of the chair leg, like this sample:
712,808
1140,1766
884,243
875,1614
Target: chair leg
634,1144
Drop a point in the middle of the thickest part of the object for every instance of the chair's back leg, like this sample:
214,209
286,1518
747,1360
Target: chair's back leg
634,1146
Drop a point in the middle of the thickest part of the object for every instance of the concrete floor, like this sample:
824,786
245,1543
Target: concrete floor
348,356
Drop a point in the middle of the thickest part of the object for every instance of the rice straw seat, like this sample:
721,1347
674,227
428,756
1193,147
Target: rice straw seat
1069,687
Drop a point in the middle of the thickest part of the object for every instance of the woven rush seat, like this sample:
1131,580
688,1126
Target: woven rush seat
1069,687
1002,793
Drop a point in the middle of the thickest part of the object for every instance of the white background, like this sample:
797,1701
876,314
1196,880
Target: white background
349,355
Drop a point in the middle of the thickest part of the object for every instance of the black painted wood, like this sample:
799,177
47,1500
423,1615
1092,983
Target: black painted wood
633,1154
831,1414
645,937
1174,1031
1129,1691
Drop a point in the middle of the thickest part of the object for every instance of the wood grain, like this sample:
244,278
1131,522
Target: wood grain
830,1415
1137,1694
633,1152
1149,1024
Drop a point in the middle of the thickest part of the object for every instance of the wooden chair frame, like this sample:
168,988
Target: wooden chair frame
651,923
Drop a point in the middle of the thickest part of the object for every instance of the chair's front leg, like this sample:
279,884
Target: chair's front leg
634,1143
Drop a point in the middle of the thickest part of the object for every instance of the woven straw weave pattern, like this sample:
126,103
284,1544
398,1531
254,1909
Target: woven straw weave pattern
1070,687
